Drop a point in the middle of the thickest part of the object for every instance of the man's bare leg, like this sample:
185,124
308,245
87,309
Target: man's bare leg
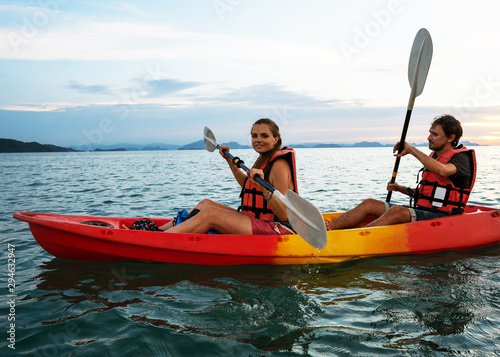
395,215
358,214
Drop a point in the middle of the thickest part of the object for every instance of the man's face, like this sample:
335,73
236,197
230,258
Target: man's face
438,139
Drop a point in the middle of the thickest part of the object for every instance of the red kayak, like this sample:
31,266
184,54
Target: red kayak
93,238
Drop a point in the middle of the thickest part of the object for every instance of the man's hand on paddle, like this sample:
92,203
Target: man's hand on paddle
395,187
406,149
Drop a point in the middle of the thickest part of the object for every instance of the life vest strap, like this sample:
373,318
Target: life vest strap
446,200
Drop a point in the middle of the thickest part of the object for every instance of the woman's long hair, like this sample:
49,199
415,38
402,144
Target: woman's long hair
275,130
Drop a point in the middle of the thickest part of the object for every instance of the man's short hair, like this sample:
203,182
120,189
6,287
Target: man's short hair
450,126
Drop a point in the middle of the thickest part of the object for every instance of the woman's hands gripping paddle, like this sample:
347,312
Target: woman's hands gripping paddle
304,217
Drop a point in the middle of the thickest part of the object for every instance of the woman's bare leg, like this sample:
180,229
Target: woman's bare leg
218,219
200,205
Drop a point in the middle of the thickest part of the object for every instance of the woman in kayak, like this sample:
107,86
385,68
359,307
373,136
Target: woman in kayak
259,212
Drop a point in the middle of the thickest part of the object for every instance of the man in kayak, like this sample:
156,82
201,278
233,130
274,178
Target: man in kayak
259,213
448,176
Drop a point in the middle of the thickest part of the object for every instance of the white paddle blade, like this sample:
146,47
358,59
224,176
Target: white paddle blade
209,139
420,61
305,218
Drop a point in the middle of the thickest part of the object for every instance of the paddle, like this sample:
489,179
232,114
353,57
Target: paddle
418,67
305,218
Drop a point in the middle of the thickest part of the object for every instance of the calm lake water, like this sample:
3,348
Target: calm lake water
445,304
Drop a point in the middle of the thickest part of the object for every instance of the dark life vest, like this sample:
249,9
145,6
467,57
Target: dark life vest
439,193
253,203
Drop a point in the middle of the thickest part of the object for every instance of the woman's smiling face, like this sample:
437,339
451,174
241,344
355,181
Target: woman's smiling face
262,138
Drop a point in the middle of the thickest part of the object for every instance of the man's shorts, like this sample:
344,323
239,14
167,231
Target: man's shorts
261,227
419,214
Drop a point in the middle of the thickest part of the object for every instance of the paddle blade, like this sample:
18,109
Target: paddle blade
420,61
209,139
305,219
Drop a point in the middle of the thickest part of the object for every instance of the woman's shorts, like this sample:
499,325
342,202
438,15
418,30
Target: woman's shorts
261,227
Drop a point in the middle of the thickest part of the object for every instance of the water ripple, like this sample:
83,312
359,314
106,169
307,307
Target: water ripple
434,304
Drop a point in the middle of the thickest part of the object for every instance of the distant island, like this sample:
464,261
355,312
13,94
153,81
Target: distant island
15,146
12,146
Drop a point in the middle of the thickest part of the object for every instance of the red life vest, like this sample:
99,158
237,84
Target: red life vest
253,203
439,193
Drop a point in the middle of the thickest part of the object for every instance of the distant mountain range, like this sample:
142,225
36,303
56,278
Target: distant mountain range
12,146
200,145
364,144
197,145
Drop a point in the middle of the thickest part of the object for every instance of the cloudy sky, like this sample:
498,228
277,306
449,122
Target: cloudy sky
105,72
